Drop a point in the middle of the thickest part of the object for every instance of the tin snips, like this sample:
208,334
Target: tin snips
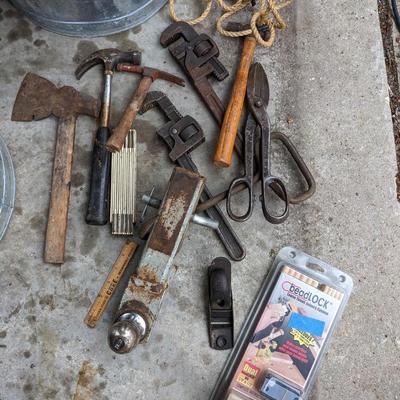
257,164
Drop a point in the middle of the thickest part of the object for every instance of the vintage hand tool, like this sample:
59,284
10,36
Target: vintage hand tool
123,187
257,99
198,57
183,134
38,98
107,290
142,298
299,162
220,307
97,211
230,125
197,54
115,142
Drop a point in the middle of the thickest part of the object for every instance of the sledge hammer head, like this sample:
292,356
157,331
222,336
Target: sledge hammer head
110,58
38,98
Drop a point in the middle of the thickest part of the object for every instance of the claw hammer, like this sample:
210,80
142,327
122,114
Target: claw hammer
97,211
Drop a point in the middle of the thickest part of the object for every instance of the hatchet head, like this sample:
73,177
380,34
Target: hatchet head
39,98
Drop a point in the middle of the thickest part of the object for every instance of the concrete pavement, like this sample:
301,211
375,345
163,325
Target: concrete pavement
328,93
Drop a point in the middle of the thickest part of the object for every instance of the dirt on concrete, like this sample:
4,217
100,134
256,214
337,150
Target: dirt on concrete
390,40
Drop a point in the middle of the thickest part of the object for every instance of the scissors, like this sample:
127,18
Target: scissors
258,129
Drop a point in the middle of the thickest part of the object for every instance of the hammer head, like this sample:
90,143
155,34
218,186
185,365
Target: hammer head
110,58
38,98
152,73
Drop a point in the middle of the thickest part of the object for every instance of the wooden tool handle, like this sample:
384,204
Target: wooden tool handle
107,290
60,190
117,139
227,136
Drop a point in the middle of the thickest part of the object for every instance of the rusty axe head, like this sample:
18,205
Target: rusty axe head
38,98
110,58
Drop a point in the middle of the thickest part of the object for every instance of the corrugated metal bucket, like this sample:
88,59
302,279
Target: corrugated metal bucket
88,18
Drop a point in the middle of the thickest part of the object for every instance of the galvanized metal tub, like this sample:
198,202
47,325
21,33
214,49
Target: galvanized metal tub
88,18
7,187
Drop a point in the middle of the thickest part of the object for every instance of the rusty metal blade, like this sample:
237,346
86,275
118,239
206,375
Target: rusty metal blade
257,85
171,78
32,102
151,72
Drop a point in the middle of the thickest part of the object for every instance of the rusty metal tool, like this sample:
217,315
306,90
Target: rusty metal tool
107,290
123,187
97,211
116,140
258,99
182,135
220,305
142,299
39,98
305,173
197,55
230,125
198,219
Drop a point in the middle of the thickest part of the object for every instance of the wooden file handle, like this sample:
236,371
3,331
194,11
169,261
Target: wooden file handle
227,136
107,290
117,139
60,189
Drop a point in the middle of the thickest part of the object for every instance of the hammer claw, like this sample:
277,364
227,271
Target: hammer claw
109,57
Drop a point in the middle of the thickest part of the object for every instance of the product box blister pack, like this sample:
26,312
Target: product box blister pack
280,347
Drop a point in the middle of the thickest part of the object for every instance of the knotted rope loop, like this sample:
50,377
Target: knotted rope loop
194,21
266,13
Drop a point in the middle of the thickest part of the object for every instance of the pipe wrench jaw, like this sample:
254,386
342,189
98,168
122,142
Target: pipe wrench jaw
186,135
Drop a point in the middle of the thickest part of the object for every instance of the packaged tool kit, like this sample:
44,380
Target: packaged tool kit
279,350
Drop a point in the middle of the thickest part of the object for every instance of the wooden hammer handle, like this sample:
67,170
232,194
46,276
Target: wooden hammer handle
230,126
107,290
117,139
60,189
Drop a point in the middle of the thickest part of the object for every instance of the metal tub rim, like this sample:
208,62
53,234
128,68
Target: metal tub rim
90,29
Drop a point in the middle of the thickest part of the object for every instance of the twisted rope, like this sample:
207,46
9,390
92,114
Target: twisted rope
267,13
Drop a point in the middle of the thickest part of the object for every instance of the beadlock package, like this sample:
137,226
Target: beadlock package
280,347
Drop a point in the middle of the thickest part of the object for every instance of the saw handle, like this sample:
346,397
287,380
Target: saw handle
230,126
60,191
98,205
117,139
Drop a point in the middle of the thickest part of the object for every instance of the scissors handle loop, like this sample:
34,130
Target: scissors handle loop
244,180
267,184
